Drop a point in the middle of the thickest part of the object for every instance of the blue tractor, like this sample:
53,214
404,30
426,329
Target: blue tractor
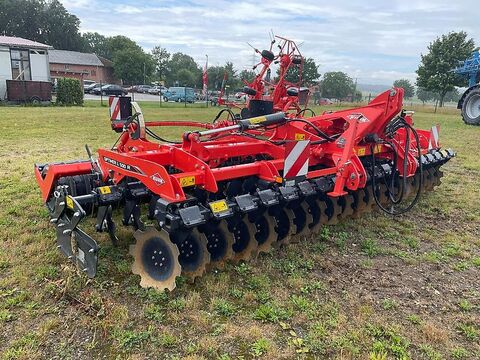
469,103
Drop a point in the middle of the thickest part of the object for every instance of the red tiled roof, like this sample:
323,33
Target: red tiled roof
13,41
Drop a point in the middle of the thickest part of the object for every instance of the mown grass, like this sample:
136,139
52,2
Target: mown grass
376,287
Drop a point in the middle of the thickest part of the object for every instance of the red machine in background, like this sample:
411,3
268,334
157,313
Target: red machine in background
265,94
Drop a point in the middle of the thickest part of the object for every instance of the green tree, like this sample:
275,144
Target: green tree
424,95
232,79
21,18
61,27
434,72
132,66
310,74
337,85
406,85
120,43
130,63
47,22
186,78
247,75
96,43
180,61
215,77
160,57
451,96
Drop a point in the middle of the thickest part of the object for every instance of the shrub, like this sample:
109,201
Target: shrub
69,92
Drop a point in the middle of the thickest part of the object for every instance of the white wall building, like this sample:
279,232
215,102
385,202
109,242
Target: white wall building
22,59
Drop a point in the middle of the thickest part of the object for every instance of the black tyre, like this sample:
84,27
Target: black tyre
249,91
297,60
267,54
35,100
471,107
245,113
104,93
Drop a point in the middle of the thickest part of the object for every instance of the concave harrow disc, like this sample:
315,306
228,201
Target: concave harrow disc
245,245
265,232
155,259
316,209
194,255
219,243
284,226
346,202
333,210
301,218
360,203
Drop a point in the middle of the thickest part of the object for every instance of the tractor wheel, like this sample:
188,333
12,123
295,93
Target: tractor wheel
471,107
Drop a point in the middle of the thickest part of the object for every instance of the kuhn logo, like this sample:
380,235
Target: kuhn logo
157,179
359,117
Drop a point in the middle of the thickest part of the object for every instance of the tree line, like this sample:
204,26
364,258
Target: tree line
50,23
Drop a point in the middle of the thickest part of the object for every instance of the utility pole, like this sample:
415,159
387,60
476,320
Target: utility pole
144,80
206,88
354,90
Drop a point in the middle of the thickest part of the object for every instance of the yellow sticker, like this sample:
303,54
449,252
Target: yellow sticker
69,202
257,119
105,190
218,206
299,136
361,151
378,149
187,181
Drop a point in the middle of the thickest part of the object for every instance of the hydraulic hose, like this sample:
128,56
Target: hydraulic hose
391,129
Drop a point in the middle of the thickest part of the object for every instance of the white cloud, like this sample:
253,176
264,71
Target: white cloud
127,9
376,41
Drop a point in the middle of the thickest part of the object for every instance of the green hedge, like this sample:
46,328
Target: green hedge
69,92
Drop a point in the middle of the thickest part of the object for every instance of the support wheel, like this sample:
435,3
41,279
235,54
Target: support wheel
155,259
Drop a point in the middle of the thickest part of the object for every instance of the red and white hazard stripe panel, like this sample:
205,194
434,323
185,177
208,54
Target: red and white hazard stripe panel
114,104
433,142
296,159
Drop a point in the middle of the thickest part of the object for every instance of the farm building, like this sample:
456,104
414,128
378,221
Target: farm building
82,66
23,64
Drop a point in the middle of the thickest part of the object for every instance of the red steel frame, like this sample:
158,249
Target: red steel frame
200,161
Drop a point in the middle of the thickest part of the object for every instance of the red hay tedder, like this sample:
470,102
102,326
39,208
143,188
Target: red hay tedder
233,188
265,95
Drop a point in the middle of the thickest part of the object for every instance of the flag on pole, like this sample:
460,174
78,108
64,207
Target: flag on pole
205,79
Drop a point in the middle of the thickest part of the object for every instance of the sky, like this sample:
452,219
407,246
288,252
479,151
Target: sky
374,41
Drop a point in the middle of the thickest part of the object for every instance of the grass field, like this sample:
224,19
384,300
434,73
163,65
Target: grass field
372,288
